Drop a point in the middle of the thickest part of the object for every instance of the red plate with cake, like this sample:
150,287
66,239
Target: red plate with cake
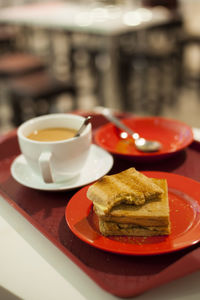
172,134
184,204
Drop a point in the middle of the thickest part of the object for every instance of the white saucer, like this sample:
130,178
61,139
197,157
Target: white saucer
98,164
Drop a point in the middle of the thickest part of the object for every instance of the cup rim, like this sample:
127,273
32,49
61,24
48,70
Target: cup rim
24,124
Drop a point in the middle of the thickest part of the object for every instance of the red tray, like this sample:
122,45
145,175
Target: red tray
121,275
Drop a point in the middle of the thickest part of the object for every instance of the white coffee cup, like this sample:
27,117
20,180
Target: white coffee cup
55,161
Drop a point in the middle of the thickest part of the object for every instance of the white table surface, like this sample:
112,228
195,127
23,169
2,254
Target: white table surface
92,18
32,268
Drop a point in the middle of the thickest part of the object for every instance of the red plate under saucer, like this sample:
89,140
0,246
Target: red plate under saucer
173,135
184,203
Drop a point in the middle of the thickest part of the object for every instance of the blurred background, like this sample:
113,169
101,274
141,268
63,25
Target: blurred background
137,56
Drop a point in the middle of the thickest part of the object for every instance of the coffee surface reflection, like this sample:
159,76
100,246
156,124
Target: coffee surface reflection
52,134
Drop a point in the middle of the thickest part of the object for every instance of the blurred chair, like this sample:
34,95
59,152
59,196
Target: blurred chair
18,64
36,92
85,58
149,70
27,84
187,75
13,61
13,65
7,39
189,44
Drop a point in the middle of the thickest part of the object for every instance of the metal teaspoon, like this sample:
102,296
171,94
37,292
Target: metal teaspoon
141,144
83,126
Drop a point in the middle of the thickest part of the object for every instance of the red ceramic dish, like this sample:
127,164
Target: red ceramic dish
173,135
184,215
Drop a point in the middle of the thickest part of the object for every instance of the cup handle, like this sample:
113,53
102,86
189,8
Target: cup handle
45,166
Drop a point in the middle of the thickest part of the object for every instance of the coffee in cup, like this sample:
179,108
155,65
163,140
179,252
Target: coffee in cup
50,147
52,134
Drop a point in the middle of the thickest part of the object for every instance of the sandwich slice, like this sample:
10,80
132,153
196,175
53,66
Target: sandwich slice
149,219
129,187
154,213
111,228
